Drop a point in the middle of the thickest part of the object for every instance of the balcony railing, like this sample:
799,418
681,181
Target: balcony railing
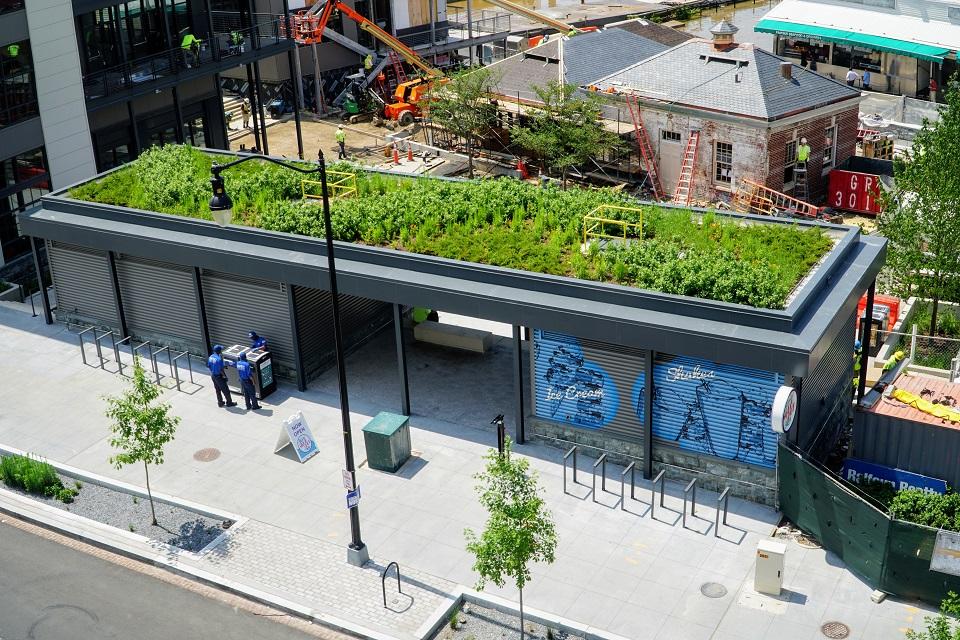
454,30
226,42
488,22
12,114
10,5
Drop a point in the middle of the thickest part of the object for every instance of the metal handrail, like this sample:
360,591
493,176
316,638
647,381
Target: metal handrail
631,469
725,499
99,350
692,485
602,463
573,452
383,580
80,336
176,369
653,491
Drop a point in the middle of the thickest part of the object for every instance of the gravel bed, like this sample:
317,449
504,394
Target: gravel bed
481,623
177,526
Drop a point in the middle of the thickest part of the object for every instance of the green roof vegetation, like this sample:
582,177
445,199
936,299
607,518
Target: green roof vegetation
501,222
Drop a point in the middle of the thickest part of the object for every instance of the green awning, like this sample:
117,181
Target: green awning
878,43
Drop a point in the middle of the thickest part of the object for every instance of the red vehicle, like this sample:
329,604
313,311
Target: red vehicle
855,185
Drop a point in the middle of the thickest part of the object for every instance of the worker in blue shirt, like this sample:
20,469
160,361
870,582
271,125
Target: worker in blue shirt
256,342
216,364
245,371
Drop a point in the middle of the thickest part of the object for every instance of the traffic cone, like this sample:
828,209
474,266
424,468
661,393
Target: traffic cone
409,152
396,154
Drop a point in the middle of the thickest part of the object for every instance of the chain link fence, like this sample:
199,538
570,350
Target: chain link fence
931,352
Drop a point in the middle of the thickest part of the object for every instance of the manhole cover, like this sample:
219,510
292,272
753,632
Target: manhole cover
713,589
836,630
207,455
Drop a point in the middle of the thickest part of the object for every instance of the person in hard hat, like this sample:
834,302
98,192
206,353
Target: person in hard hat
245,373
217,366
368,62
245,112
236,42
190,47
803,154
341,142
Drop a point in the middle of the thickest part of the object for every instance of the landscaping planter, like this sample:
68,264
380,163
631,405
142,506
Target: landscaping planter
483,623
9,292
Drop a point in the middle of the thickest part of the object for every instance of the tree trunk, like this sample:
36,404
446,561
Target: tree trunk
934,303
523,633
153,513
564,180
470,157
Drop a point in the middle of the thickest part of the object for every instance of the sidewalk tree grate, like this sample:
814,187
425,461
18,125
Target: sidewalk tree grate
836,630
713,589
207,455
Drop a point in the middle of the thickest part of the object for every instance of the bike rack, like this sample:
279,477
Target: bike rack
653,490
176,369
602,463
631,469
80,336
383,581
116,351
571,452
99,350
156,367
692,485
725,499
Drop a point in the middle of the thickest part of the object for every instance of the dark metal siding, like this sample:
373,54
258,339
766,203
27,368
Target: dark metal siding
82,280
360,317
826,394
587,384
236,304
717,409
158,299
927,449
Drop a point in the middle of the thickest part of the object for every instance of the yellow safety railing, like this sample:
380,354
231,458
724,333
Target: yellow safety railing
340,184
599,223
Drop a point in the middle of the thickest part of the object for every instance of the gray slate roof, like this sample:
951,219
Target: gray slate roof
742,80
653,31
587,57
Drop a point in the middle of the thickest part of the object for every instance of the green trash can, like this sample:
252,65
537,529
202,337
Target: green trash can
387,439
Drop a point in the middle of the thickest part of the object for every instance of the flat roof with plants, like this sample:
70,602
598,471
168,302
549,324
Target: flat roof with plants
503,222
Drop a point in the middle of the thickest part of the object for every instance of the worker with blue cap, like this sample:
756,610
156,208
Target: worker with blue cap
217,364
245,372
256,342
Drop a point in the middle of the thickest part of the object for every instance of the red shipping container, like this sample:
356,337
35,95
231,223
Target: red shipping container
855,185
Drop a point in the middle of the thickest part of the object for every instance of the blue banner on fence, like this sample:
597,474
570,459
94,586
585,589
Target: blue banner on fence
862,471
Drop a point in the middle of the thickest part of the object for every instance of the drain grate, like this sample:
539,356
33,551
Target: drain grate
713,589
207,455
836,630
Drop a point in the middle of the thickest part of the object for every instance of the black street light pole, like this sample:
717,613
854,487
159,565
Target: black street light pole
357,553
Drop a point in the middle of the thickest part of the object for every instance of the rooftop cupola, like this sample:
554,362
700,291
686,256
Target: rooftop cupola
723,33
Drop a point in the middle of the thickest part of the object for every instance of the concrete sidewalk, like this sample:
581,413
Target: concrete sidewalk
616,570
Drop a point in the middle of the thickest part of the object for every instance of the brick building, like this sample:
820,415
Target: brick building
751,107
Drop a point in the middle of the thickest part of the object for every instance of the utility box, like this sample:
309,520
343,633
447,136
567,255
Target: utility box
769,574
387,440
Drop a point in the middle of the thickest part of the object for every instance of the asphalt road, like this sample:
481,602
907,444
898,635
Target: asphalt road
52,592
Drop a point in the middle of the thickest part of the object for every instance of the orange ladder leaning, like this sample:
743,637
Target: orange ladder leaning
398,73
684,189
646,151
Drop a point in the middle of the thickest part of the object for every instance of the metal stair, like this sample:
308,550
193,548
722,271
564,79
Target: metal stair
684,190
646,151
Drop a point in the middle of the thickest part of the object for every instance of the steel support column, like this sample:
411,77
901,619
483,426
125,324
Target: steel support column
117,298
263,118
518,385
297,100
225,129
178,114
865,341
401,360
201,309
648,414
252,97
295,333
47,314
132,115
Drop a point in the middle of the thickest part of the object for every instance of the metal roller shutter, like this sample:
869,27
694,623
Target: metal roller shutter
159,299
587,384
236,304
717,409
360,316
81,277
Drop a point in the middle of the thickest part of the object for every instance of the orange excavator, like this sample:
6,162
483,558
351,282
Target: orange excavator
309,28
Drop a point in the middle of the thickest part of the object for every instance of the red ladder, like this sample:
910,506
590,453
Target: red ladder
685,184
398,73
646,151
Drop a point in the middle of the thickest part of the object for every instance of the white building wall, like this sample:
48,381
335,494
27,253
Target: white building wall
63,112
749,152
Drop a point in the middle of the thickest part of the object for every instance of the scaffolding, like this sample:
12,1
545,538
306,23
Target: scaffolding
600,224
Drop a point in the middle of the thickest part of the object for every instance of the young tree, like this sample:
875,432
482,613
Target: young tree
462,106
565,131
519,527
941,626
140,428
921,216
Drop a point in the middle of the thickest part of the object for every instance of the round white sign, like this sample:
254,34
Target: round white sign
784,411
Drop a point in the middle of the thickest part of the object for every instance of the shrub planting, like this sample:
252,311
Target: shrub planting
502,222
34,476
